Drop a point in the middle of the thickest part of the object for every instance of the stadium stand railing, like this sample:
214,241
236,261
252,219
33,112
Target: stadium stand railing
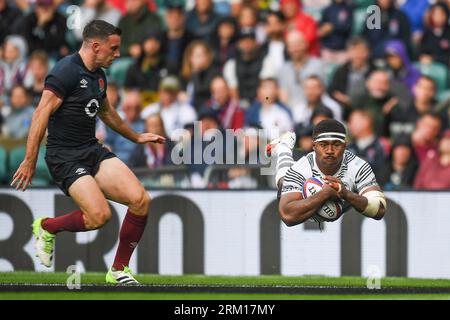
42,177
164,177
217,176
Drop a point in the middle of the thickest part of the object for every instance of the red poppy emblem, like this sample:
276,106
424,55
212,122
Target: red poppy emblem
101,84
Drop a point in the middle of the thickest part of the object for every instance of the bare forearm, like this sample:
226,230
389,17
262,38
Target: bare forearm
298,211
36,133
358,202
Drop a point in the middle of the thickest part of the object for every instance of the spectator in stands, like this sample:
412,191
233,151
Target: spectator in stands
137,21
174,113
13,65
434,171
399,64
415,10
244,71
113,92
209,128
304,143
435,42
10,19
394,25
228,110
248,20
248,144
320,114
176,37
365,143
243,177
400,120
378,100
96,9
224,41
146,73
130,113
202,20
114,98
298,20
348,82
18,120
315,97
335,30
198,72
45,29
297,69
425,136
152,155
268,112
274,47
400,171
35,78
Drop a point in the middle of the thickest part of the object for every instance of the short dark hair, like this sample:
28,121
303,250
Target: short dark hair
99,29
329,125
278,14
428,78
356,41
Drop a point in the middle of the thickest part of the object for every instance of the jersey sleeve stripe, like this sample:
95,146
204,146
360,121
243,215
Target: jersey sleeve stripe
362,172
365,175
294,179
299,178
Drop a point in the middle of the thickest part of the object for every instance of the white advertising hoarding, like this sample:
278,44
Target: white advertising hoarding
239,233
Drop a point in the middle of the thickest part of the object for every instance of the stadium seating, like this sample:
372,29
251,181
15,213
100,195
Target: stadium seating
41,177
164,177
444,95
330,69
118,70
437,71
359,18
363,3
3,165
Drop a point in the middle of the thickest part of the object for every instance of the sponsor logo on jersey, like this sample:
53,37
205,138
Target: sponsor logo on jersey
92,107
80,171
83,83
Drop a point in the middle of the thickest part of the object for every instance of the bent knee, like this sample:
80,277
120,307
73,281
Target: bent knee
99,217
140,202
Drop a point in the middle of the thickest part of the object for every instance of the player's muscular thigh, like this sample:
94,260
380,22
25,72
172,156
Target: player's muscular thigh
119,184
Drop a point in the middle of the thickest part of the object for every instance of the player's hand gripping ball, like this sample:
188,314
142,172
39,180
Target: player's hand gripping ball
331,210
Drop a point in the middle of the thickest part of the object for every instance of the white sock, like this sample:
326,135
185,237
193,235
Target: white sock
284,161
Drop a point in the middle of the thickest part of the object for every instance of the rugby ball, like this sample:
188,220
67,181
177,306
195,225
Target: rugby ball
331,210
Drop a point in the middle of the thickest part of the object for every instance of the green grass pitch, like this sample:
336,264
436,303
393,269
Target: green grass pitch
308,281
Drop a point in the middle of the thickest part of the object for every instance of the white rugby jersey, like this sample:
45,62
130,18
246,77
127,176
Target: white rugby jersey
355,173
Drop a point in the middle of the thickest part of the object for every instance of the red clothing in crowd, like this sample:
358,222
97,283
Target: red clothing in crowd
120,5
306,25
425,151
432,175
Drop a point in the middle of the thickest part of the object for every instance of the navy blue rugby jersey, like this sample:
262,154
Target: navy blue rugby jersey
82,92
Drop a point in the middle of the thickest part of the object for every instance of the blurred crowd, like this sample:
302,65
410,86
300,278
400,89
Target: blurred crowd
247,65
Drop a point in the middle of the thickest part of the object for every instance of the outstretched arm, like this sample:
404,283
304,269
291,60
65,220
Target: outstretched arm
112,119
48,104
294,209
